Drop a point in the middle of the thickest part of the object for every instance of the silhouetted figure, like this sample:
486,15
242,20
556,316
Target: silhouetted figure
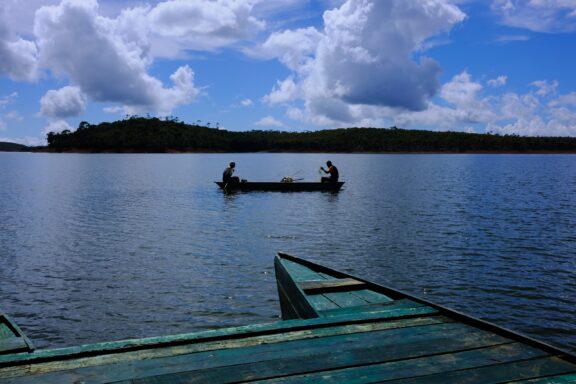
228,172
333,171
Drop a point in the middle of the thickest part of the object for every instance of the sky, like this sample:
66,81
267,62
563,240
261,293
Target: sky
498,66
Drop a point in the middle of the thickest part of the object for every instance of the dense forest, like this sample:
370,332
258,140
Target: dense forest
145,134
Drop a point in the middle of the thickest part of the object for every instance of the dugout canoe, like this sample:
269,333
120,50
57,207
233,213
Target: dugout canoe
296,186
336,329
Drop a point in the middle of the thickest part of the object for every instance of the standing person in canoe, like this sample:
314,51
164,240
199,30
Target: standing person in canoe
332,170
228,172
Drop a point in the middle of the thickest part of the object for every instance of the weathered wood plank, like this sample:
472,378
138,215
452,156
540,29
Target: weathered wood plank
345,299
299,272
289,335
5,331
12,344
422,367
402,304
372,297
321,286
9,330
323,355
562,379
237,333
321,303
527,369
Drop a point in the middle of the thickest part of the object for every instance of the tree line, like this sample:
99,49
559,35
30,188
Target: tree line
150,134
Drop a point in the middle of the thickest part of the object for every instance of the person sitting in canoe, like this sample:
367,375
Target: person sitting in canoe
332,170
228,172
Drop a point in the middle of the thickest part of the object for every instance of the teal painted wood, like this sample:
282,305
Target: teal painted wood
418,368
12,339
396,294
297,357
372,297
13,344
404,306
236,333
561,379
318,342
354,333
500,373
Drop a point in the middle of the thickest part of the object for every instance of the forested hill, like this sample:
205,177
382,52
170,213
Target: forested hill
139,134
11,147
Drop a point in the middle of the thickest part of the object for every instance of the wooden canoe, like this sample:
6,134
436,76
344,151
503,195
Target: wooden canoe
339,329
414,339
296,186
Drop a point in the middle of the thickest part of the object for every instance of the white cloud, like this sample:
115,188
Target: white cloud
292,47
537,15
284,91
498,82
461,91
246,102
57,126
566,100
462,104
366,56
504,39
18,57
11,115
203,24
269,121
65,102
107,66
5,100
545,87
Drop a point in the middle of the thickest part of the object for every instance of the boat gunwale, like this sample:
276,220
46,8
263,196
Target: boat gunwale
442,310
229,333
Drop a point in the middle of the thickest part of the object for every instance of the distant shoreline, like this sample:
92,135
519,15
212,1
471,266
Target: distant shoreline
169,151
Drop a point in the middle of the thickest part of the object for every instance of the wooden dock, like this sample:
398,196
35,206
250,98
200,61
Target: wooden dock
338,329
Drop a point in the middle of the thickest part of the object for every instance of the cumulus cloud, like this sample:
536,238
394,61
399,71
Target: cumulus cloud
65,102
545,88
537,15
18,57
367,55
565,100
57,126
246,102
292,47
462,103
77,43
498,82
269,121
203,24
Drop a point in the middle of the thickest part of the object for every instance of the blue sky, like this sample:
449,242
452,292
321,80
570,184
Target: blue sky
501,66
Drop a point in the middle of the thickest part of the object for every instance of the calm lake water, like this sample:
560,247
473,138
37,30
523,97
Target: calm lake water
109,246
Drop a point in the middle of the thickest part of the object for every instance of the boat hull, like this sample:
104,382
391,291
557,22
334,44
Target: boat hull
281,187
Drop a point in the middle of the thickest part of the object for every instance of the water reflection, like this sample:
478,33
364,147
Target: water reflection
107,247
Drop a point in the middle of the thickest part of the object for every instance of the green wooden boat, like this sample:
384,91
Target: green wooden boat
337,329
296,186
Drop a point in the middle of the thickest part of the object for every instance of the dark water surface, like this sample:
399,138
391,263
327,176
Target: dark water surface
106,247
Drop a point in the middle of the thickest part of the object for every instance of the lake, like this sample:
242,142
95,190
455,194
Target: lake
101,247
